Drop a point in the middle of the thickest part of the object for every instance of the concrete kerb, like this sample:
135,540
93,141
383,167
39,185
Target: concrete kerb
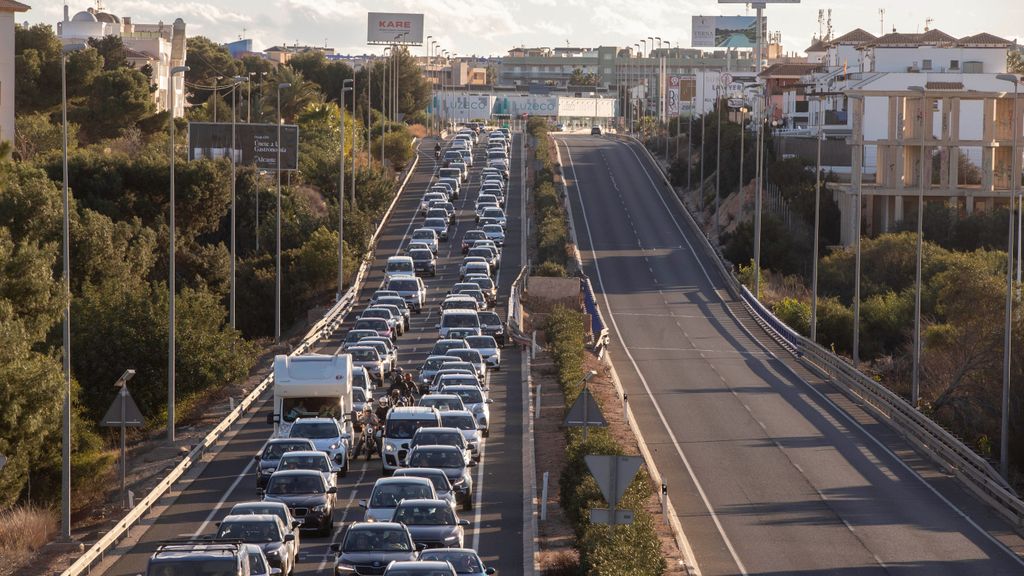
531,563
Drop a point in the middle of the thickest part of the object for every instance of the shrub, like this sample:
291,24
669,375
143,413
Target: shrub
23,530
551,269
796,314
835,325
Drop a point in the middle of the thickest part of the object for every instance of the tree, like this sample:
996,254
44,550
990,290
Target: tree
206,60
112,49
581,78
35,135
294,99
397,148
119,98
1015,61
327,75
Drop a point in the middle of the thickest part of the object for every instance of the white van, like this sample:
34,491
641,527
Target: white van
399,266
401,424
457,318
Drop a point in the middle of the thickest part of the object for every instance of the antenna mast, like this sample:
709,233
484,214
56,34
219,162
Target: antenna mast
881,21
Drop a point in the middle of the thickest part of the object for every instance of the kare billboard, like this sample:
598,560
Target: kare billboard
392,28
254,143
725,31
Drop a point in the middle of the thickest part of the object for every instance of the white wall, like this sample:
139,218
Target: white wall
899,59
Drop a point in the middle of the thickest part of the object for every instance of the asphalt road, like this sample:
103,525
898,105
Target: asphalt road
497,518
770,470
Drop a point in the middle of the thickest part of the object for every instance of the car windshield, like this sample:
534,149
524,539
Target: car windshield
445,347
219,567
438,479
316,462
468,355
460,421
434,363
474,235
470,396
439,515
442,438
404,285
358,395
389,495
275,450
314,430
287,484
436,459
321,406
357,335
250,532
359,379
376,324
403,429
489,318
460,321
377,540
256,564
481,342
423,235
378,313
365,355
257,509
421,255
400,266
465,562
435,223
460,381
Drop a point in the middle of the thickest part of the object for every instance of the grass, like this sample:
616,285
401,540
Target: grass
23,531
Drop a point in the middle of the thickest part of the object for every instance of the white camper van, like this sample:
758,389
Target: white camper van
312,385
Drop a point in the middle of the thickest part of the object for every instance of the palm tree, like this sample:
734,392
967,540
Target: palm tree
294,99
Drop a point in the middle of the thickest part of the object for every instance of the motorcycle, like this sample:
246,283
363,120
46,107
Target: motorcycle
370,440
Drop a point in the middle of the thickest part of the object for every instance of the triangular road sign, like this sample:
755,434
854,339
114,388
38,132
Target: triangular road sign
584,412
134,417
613,474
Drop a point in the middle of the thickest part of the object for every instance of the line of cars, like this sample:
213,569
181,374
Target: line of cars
411,523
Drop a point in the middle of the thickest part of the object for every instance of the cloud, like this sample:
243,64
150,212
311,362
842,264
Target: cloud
144,11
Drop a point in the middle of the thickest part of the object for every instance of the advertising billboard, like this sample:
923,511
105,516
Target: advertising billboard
392,28
725,31
254,144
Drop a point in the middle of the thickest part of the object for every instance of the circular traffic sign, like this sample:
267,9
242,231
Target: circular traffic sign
726,78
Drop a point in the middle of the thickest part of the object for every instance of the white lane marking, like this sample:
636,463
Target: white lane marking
643,380
815,391
478,495
334,538
223,499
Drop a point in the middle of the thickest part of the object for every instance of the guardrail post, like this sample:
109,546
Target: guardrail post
536,409
533,345
625,407
544,498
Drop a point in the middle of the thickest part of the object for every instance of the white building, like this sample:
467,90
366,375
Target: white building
162,46
7,10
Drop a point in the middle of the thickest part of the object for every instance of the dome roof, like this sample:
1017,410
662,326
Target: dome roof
84,16
107,17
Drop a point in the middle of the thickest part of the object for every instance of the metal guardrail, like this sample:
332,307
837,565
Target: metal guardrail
325,326
974,472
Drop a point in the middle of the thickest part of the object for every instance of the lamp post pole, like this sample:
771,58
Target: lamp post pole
171,273
248,100
915,383
384,95
718,155
346,85
277,255
65,487
817,223
122,383
1004,422
234,91
759,179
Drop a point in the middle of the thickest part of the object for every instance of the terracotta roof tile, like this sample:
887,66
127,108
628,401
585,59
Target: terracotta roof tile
944,85
983,39
12,6
789,69
816,46
936,35
855,36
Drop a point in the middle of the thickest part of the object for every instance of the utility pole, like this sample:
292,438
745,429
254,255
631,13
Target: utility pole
277,256
171,273
346,85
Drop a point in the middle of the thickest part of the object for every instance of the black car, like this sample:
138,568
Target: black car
227,558
423,262
432,523
450,459
307,495
369,547
265,531
491,325
595,130
269,456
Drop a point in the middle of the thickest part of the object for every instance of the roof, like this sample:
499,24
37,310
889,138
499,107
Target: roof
944,85
983,39
12,6
789,69
937,37
816,46
855,36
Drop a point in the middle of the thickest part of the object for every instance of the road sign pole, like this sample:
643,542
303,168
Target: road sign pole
585,414
124,493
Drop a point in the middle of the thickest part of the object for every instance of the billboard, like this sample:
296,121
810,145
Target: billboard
390,28
725,31
254,143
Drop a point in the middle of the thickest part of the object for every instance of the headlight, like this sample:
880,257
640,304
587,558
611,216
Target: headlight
389,447
267,471
334,446
274,553
344,569
452,540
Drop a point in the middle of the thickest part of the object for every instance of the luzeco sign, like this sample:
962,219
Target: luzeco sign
389,28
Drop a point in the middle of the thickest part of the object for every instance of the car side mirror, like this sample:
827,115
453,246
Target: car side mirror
362,503
464,523
490,400
490,571
332,490
296,523
335,548
420,546
289,537
272,419
275,571
436,326
471,464
217,524
261,492
257,458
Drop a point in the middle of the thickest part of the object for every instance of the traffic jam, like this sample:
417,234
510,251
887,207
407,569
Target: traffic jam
425,422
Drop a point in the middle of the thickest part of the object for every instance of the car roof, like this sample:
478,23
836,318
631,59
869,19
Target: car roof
439,396
298,473
252,517
400,480
318,419
425,501
376,526
287,440
308,452
260,503
436,429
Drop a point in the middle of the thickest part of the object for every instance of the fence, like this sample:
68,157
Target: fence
974,472
327,325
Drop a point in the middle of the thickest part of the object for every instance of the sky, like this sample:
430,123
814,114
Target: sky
492,27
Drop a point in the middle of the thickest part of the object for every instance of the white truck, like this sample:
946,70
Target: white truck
312,385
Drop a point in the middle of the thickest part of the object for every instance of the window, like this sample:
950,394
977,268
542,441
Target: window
926,64
954,64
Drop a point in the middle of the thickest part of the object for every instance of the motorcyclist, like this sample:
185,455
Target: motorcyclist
383,407
410,386
437,150
364,423
397,398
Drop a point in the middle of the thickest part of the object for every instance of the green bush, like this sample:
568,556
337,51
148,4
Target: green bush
796,314
550,269
835,325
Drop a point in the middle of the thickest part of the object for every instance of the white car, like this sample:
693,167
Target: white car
474,400
495,213
475,267
310,460
425,235
398,266
438,225
388,492
368,357
487,346
430,197
467,424
327,435
495,232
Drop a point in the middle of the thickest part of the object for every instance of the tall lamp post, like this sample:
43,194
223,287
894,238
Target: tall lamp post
915,384
817,224
216,93
718,154
234,103
346,86
171,280
1004,422
384,96
277,255
65,487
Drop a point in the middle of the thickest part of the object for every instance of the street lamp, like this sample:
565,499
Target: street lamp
718,154
347,85
817,220
122,383
384,95
1004,424
248,100
171,89
65,492
234,91
915,384
277,257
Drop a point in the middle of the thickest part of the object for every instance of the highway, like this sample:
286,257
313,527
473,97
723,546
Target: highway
497,519
771,471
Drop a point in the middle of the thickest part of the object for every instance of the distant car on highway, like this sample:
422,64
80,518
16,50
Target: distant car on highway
464,560
370,546
431,522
